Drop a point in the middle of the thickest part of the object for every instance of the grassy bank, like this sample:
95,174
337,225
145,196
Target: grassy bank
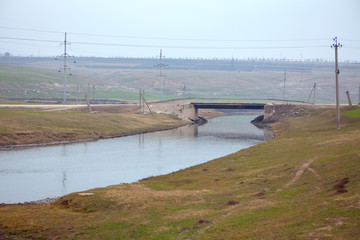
33,126
305,184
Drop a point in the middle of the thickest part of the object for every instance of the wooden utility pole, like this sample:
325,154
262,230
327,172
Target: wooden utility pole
284,85
359,95
313,89
336,45
143,104
140,101
348,97
87,102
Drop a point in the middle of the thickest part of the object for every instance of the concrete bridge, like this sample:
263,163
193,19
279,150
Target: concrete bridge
225,106
189,111
272,112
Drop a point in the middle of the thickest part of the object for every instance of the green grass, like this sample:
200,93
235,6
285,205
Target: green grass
124,84
250,194
354,113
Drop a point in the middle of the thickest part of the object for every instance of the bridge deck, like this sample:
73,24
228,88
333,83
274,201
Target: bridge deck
229,105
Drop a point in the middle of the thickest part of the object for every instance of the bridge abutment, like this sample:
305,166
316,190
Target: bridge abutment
184,111
273,112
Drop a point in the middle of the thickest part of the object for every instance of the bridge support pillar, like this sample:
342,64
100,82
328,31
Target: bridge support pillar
196,113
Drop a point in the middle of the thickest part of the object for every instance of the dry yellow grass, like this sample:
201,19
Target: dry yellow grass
33,126
292,187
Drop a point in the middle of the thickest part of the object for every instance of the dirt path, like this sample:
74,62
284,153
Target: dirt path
298,174
95,107
47,106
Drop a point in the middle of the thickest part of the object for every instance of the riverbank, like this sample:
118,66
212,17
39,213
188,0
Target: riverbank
31,125
304,184
42,126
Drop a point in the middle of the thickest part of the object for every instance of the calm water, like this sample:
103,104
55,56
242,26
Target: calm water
45,172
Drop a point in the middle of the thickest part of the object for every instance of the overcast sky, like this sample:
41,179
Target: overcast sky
293,29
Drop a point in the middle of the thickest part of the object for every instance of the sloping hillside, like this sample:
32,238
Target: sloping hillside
304,184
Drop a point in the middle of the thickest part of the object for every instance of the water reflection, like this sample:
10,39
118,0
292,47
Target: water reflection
38,173
64,182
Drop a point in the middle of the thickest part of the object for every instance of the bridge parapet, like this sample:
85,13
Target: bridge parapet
229,105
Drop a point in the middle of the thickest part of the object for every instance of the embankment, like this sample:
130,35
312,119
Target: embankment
304,184
33,125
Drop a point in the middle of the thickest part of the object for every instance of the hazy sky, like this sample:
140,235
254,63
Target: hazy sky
293,29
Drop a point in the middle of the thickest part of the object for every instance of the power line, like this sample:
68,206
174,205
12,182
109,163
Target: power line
353,47
27,44
350,40
195,47
169,46
172,39
201,39
30,39
32,30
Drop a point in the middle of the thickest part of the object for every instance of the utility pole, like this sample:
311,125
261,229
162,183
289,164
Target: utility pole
314,93
313,89
359,95
284,85
140,101
78,94
143,95
160,65
348,97
336,45
302,69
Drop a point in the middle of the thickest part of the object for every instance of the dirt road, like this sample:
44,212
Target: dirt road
95,107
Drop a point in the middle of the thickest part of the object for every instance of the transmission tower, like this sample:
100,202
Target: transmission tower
161,65
65,68
336,45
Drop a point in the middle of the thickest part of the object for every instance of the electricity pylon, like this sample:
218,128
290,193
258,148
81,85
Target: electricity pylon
161,65
65,67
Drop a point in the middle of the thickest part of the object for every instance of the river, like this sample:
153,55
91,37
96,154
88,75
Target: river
52,171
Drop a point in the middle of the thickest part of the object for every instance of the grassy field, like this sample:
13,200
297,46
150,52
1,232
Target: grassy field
33,126
124,84
304,184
